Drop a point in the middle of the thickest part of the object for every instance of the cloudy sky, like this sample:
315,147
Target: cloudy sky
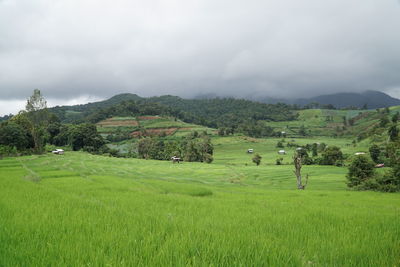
85,50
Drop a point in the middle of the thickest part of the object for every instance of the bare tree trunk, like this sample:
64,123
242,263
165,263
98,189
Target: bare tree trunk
297,171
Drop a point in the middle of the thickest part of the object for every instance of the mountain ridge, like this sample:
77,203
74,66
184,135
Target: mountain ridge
370,99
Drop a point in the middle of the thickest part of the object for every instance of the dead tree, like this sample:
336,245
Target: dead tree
297,160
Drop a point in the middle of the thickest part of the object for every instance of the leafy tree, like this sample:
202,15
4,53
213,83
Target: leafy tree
145,146
302,131
257,159
396,117
85,136
14,135
393,132
38,117
360,170
314,149
331,155
375,152
384,121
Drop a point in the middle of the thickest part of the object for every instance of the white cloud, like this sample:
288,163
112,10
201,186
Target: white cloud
14,106
69,48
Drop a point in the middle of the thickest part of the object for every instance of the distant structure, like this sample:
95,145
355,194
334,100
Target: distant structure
282,152
250,150
58,151
359,153
175,159
381,165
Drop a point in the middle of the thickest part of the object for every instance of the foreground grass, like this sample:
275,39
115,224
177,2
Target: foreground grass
80,209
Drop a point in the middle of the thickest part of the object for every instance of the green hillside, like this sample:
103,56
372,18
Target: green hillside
323,122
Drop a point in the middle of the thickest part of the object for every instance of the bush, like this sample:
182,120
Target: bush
7,151
208,158
375,152
360,171
280,144
257,159
331,155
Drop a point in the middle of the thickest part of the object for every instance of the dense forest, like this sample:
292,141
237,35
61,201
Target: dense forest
217,112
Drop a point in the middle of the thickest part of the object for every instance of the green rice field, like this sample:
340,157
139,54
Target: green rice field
80,209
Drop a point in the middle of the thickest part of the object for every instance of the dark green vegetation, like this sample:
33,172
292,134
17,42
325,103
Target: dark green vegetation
207,112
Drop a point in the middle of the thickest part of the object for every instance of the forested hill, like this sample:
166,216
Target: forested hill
210,112
367,99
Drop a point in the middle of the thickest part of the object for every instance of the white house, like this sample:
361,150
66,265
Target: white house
282,152
250,150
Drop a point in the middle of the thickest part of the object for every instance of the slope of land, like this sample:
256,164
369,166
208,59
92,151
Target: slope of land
81,209
326,122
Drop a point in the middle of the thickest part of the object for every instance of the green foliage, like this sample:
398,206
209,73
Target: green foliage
332,155
256,129
6,150
302,131
314,149
257,159
14,135
361,170
393,132
375,153
192,148
396,117
85,136
38,117
384,121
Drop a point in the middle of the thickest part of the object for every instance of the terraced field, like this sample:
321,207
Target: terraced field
321,122
152,124
79,209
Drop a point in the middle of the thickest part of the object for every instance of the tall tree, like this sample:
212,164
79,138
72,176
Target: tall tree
393,132
37,115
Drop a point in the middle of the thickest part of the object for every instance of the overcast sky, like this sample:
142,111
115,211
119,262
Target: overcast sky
85,50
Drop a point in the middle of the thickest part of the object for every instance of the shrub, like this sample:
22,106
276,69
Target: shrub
257,159
331,155
208,158
280,144
375,152
360,170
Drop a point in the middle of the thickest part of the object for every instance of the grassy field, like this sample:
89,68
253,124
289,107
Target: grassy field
80,209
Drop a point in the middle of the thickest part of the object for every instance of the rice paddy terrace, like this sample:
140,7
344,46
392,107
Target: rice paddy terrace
146,125
80,209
